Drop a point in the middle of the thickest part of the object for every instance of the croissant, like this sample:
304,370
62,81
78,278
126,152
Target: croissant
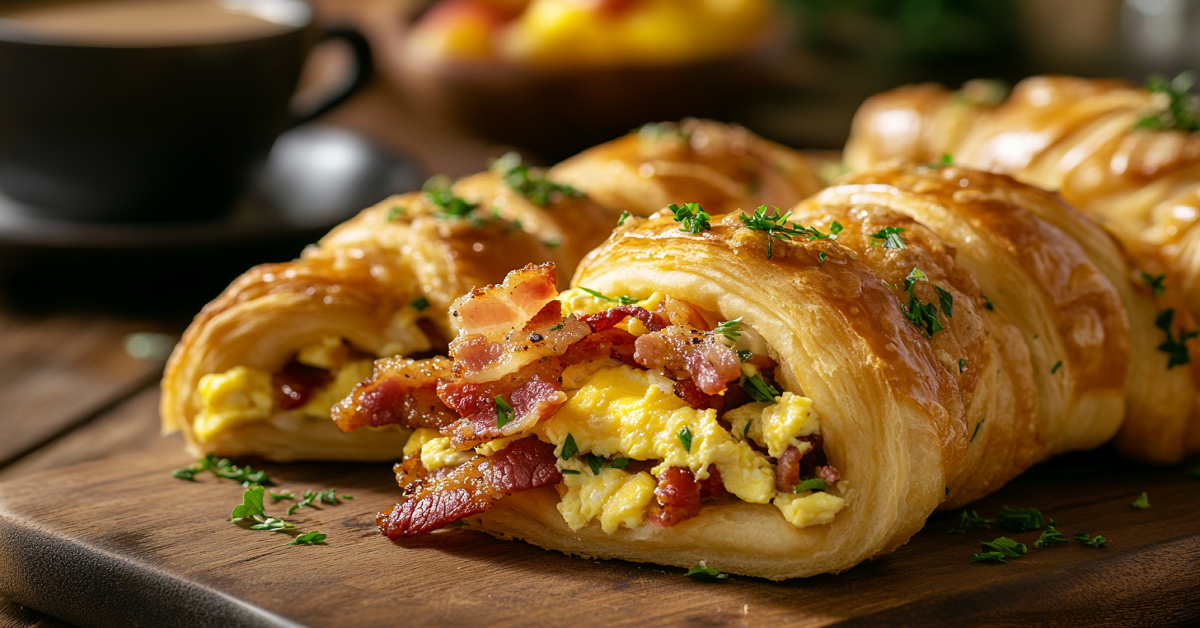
1082,138
776,395
260,366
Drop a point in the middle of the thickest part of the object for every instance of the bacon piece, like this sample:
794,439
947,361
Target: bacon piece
794,466
605,319
297,382
401,391
678,497
532,401
687,390
499,308
480,358
712,487
701,355
448,495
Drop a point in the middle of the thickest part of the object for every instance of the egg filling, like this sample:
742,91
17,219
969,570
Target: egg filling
319,376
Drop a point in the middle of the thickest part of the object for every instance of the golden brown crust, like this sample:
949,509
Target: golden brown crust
891,414
1076,136
722,167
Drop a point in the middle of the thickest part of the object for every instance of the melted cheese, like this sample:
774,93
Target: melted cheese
437,453
776,426
634,413
419,437
809,508
239,395
615,496
344,380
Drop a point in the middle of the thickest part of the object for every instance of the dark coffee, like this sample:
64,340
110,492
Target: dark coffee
139,22
163,117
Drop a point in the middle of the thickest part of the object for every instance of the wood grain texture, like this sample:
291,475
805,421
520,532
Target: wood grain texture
130,426
120,542
59,372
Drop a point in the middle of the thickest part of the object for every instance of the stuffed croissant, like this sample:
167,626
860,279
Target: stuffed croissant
777,395
1129,157
259,368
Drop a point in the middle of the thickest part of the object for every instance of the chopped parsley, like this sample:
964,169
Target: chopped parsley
745,354
617,300
619,463
1176,349
777,226
946,160
504,412
569,448
1098,541
987,303
821,258
732,329
923,315
280,496
1182,112
1006,546
946,300
531,183
309,538
345,496
307,500
624,216
251,506
685,437
273,524
704,572
986,556
889,238
224,468
1016,519
395,212
557,327
568,471
811,484
596,463
1142,502
758,389
746,430
446,205
970,520
1057,365
693,217
1050,538
328,496
420,303
1157,283
976,432
962,365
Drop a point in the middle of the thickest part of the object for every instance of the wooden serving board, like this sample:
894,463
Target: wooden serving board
122,543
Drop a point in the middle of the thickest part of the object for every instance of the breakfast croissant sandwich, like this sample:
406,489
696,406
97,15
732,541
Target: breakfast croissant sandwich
259,368
1127,156
777,395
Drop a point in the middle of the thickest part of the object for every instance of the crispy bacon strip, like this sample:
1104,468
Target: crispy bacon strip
531,402
401,391
605,319
499,308
448,495
680,495
688,391
480,358
701,355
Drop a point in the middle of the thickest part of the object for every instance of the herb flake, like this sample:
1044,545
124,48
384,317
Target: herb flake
504,412
685,437
692,216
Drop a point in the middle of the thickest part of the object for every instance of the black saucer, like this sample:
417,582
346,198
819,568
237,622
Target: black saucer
315,177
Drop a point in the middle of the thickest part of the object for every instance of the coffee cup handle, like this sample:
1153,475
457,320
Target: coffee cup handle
364,65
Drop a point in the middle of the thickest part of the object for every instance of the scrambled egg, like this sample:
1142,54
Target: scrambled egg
244,394
239,395
404,335
776,426
417,440
634,413
809,508
617,497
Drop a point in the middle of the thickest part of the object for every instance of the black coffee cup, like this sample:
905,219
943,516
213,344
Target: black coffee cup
161,132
